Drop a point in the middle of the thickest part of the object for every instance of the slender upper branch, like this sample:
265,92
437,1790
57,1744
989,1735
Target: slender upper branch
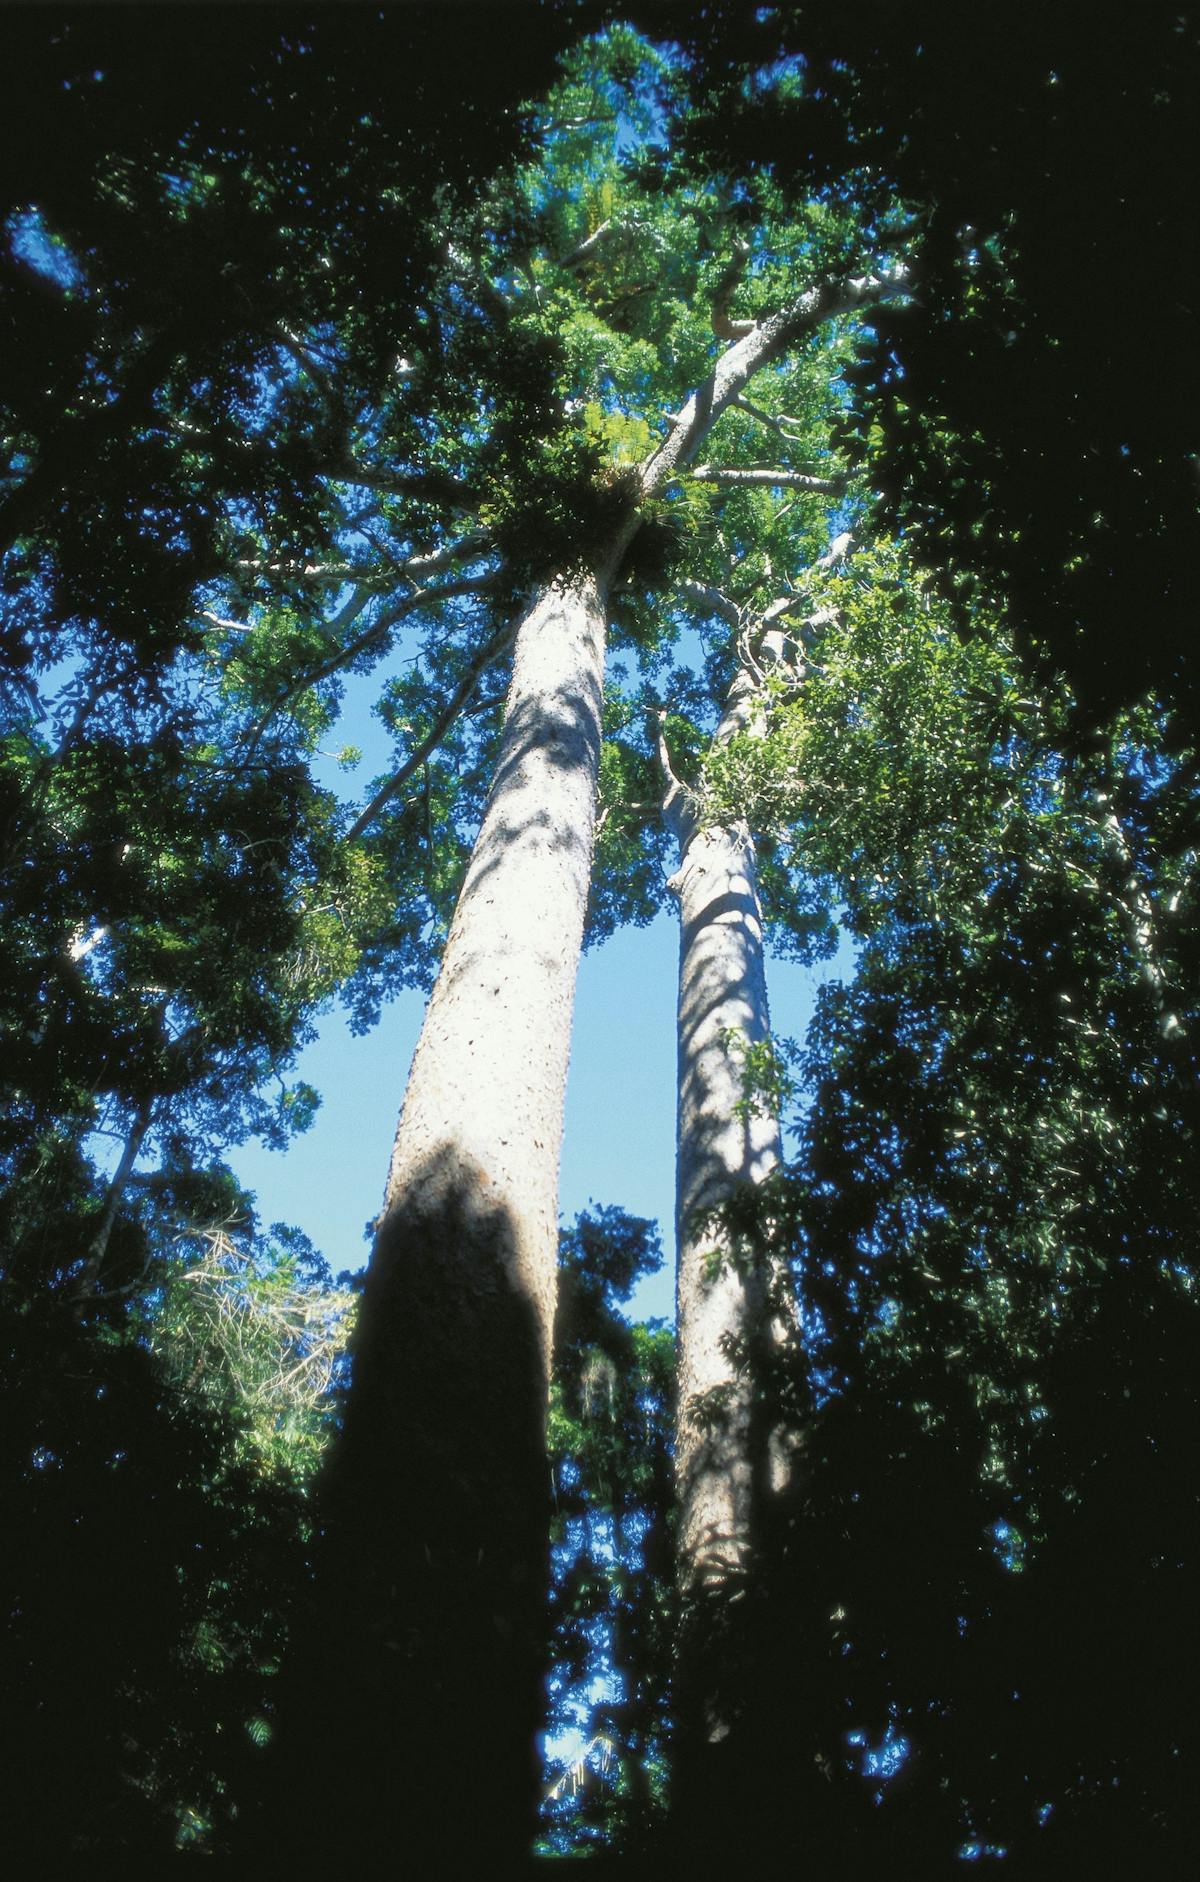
583,249
402,606
737,365
342,467
778,422
81,945
679,801
487,655
224,626
307,360
98,1247
438,486
337,574
723,324
773,475
715,600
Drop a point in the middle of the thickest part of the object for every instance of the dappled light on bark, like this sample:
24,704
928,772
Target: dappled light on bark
432,1599
735,1318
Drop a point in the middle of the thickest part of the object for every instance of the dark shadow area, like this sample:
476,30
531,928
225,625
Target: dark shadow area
611,1604
146,1575
413,1692
1038,145
732,1690
928,1668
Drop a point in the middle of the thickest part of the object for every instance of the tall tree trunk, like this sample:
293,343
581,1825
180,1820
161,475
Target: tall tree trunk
734,1314
430,1615
433,1586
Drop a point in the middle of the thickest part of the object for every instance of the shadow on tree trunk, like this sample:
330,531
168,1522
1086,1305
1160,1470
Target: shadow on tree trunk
413,1698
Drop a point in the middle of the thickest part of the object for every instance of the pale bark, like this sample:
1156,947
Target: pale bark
373,636
486,657
81,944
722,1006
373,578
738,1448
723,324
584,249
435,1574
485,1092
760,343
771,476
435,1578
783,424
732,1317
118,1184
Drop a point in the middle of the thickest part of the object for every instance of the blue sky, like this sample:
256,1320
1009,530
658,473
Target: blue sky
619,1139
619,1143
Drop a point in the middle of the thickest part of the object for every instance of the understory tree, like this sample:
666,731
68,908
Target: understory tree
158,1474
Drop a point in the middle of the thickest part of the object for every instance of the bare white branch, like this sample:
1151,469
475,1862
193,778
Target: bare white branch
487,655
782,423
378,631
372,576
583,249
222,625
738,364
714,600
723,324
81,945
772,475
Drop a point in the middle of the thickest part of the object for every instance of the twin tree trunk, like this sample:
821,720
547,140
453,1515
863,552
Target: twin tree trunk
735,1323
430,1612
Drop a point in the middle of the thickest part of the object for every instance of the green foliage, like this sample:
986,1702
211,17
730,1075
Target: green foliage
220,267
896,719
158,1464
611,1602
1020,432
992,1218
1020,958
631,844
765,1065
